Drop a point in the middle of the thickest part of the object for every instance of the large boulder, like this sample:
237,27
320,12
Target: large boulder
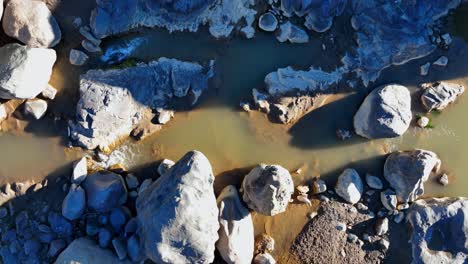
104,191
349,186
439,230
267,189
32,23
439,95
406,172
236,233
24,71
84,251
113,102
385,113
222,17
177,214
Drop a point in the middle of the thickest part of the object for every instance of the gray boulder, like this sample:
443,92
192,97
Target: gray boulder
236,233
349,186
24,71
104,191
406,171
385,113
439,95
177,214
74,204
439,230
267,189
32,23
222,17
268,22
83,250
292,33
113,102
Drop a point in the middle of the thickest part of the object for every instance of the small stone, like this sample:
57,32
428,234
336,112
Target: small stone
103,219
319,186
65,187
49,92
389,199
77,57
366,237
423,121
144,185
381,227
118,218
60,225
264,258
56,247
80,170
341,227
104,237
36,108
424,69
324,199
362,207
91,47
31,247
349,186
264,243
374,182
131,227
245,106
74,204
302,189
132,181
92,227
447,39
268,22
382,213
164,166
133,194
86,32
442,61
343,253
399,217
384,244
352,210
134,250
164,116
120,248
312,215
371,214
77,21
3,212
444,179
403,206
343,134
352,238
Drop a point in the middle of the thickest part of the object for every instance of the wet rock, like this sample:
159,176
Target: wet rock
439,95
25,72
236,233
444,179
164,166
132,181
80,171
49,92
117,218
32,23
104,237
264,244
374,182
78,57
222,17
385,113
122,102
83,250
74,204
104,191
389,199
268,22
442,61
189,235
134,250
267,189
423,121
120,248
292,33
406,171
381,227
264,258
439,227
56,247
392,33
36,108
424,69
59,225
349,186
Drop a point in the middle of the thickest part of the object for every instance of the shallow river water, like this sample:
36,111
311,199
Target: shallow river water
233,139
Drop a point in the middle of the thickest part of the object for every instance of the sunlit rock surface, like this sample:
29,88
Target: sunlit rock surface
116,16
113,102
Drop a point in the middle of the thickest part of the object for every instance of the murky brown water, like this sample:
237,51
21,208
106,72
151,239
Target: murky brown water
233,139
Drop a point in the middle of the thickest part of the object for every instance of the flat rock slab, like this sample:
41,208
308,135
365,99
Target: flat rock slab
113,102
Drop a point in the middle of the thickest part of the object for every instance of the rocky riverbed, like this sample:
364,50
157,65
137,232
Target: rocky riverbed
95,209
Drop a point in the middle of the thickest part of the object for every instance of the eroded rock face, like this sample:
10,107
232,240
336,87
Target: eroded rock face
439,230
112,103
392,33
406,171
104,191
112,17
439,95
236,233
24,71
385,113
32,23
267,189
177,214
83,250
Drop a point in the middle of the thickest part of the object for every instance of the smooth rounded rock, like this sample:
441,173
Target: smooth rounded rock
117,218
36,108
349,186
374,182
77,57
268,22
74,204
104,191
134,250
104,237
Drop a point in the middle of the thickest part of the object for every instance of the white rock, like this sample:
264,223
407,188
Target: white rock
37,108
444,179
374,182
349,186
165,165
49,92
447,39
441,94
268,22
165,116
442,61
381,227
236,232
292,33
424,69
3,113
389,199
264,258
423,122
77,57
80,170
319,186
